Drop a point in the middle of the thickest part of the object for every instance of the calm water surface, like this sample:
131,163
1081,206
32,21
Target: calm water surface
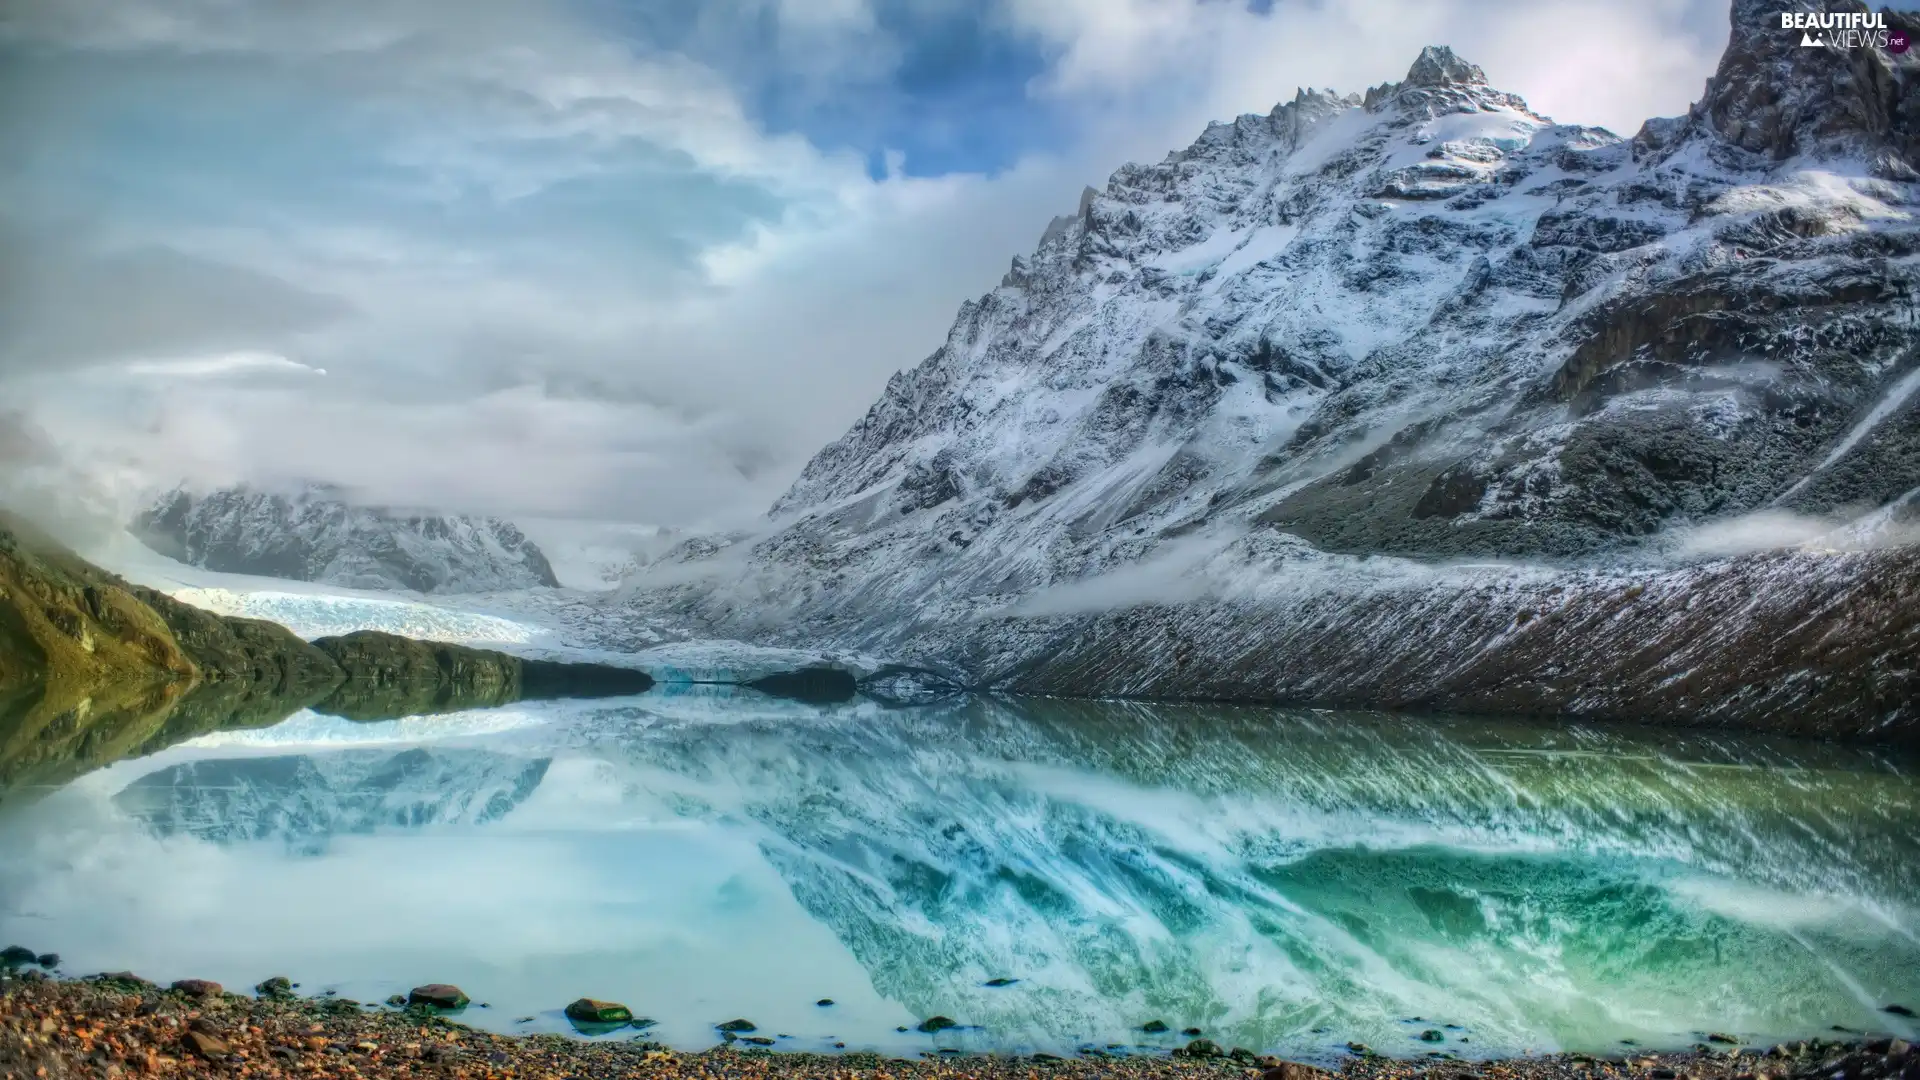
1287,881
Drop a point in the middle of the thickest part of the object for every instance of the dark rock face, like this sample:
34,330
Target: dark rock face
1771,97
316,535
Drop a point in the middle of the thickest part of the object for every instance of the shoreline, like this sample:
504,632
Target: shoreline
118,1025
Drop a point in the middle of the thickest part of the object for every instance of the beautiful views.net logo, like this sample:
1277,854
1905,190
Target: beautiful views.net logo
1845,30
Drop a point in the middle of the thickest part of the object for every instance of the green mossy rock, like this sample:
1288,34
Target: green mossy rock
592,1011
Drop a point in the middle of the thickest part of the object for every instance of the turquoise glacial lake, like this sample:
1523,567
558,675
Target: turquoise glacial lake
1286,881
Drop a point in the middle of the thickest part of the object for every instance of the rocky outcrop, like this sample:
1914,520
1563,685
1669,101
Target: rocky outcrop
316,534
94,669
1769,96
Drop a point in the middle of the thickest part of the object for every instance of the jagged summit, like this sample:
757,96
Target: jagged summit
1437,65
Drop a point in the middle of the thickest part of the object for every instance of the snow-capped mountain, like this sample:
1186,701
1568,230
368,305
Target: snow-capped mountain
1431,321
314,534
1423,322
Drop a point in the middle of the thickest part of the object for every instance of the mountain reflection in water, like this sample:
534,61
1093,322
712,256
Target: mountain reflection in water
1286,881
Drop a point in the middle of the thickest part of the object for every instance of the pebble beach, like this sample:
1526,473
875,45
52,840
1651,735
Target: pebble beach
118,1025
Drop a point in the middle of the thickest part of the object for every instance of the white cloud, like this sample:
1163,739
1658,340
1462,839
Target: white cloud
1579,61
552,269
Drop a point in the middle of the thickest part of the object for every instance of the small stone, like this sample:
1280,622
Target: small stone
824,1002
594,1011
1360,1048
207,1046
439,996
1154,1027
398,1001
1190,1032
276,988
48,960
1241,1053
839,1046
934,1024
1000,982
736,1027
1433,1035
757,1040
1723,1038
17,956
199,988
1898,1010
1663,1073
1199,1048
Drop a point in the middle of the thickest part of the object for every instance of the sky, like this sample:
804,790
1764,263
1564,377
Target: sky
628,260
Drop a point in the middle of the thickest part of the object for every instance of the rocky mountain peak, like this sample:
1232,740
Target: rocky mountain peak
1438,65
1781,92
1438,83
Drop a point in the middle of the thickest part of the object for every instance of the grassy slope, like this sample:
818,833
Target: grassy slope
93,668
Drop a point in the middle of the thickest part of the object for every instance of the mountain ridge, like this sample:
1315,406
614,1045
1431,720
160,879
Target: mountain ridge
1423,323
314,533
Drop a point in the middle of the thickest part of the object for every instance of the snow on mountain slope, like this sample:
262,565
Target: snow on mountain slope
1422,322
315,535
1429,321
